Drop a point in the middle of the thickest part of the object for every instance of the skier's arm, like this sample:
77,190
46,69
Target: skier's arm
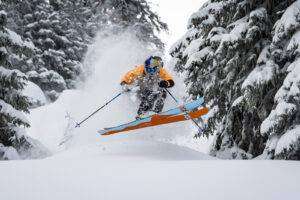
132,75
167,79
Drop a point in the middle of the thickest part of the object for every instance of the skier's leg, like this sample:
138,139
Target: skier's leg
144,105
159,105
151,99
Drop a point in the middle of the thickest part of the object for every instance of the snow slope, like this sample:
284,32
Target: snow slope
145,170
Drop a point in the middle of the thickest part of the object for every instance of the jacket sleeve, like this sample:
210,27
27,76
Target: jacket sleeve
164,75
132,75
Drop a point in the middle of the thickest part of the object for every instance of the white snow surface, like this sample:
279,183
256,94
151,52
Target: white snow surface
9,153
89,173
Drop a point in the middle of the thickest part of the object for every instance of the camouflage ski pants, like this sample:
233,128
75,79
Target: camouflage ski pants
151,101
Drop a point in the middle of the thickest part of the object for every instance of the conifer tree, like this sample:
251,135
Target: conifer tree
56,61
232,57
136,14
13,141
92,15
282,126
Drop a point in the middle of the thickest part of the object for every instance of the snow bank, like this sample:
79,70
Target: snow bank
134,150
9,153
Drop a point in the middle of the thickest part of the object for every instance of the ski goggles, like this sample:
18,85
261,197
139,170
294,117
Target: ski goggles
151,70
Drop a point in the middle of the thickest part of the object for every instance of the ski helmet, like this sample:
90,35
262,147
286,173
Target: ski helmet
153,64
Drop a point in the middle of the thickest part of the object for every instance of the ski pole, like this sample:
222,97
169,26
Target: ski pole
172,96
193,120
115,97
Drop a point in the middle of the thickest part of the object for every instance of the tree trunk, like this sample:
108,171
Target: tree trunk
269,5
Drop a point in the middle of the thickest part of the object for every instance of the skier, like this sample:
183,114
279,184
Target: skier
151,78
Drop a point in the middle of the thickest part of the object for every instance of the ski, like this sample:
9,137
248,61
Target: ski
177,114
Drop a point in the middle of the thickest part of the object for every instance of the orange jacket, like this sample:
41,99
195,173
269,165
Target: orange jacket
137,72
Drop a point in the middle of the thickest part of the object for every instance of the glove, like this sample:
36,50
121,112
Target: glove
125,87
163,84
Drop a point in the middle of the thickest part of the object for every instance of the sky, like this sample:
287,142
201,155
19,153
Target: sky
176,14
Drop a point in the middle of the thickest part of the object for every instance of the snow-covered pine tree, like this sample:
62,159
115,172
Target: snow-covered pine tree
24,62
56,63
136,15
236,54
89,16
58,57
14,144
282,126
92,15
82,17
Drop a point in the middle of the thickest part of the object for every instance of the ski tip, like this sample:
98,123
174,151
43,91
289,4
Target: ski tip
106,132
102,132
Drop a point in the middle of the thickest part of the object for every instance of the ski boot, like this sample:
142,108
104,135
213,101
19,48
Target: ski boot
146,114
140,116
